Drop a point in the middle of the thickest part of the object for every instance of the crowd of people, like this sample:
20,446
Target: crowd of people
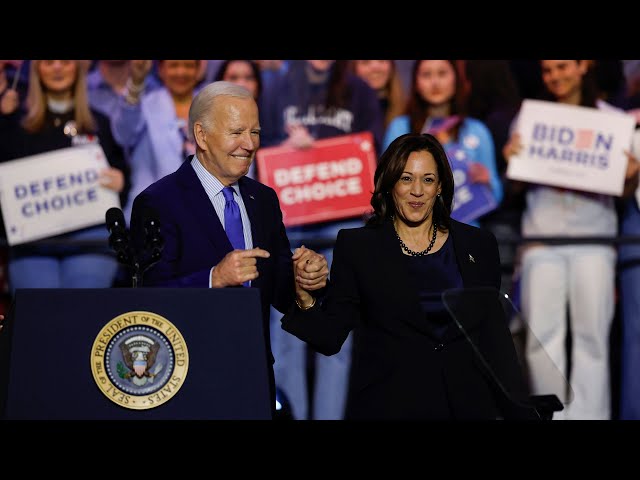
145,116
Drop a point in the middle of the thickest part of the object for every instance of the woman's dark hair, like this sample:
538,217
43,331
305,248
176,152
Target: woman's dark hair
588,90
493,87
338,90
389,171
222,70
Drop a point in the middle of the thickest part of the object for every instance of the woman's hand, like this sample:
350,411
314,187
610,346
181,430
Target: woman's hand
299,136
112,178
9,102
310,272
512,147
478,173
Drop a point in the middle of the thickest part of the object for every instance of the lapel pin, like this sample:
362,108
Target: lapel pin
471,259
251,197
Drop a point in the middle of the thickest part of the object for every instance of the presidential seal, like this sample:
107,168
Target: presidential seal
139,360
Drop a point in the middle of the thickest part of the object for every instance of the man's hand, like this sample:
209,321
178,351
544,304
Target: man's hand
237,267
310,271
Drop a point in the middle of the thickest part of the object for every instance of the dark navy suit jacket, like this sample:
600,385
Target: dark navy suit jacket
401,369
195,239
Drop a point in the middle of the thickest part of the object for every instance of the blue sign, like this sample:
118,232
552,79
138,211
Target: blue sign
470,200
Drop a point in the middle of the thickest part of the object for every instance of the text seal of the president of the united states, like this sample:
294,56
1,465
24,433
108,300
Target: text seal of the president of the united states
139,360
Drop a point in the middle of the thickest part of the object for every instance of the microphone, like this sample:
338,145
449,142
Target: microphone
118,236
154,242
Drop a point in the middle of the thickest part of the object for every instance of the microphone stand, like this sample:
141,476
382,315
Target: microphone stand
136,263
137,275
154,244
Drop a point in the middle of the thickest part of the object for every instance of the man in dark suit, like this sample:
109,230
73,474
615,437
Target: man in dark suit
196,204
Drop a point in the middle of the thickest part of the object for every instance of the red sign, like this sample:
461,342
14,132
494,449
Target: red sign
330,181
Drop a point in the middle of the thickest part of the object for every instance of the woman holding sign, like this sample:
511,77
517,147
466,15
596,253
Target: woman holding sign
57,116
438,105
580,278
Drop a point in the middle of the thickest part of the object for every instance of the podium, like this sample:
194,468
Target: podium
486,317
50,345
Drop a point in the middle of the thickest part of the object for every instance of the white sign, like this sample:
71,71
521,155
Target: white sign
572,147
52,193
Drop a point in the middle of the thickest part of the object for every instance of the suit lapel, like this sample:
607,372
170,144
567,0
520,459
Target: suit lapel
465,256
199,205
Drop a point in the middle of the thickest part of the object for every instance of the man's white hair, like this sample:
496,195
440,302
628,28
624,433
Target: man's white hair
203,103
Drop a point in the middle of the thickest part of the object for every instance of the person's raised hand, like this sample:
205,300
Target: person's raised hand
139,70
9,102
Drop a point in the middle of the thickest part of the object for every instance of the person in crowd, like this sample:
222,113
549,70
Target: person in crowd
57,115
494,100
573,279
313,100
382,76
221,228
629,291
410,360
271,70
12,82
153,126
242,72
438,105
107,82
527,76
629,267
610,81
631,100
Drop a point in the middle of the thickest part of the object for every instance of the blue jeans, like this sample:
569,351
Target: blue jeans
65,267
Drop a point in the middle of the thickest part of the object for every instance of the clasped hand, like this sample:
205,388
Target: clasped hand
310,271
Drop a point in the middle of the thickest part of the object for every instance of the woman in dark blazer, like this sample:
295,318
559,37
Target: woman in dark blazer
410,361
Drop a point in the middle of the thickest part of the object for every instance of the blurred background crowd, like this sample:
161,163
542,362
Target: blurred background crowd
580,298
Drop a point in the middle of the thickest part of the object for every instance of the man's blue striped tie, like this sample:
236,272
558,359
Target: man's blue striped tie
233,222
